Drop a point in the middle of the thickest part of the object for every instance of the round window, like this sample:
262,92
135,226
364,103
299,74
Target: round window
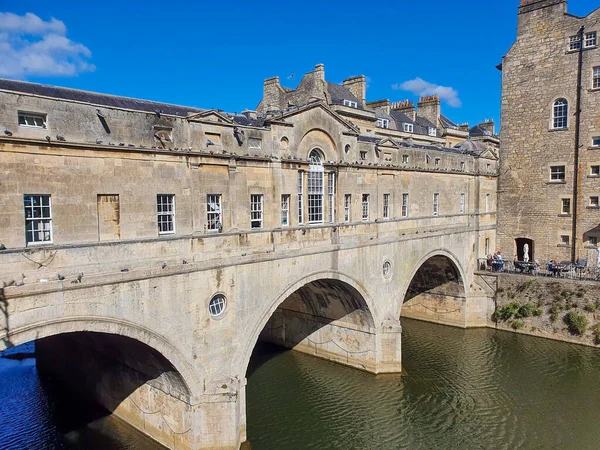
387,269
217,305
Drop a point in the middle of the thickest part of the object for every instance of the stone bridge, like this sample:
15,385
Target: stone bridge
135,332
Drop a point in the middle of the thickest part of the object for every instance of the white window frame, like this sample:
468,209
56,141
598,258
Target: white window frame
594,201
300,197
350,103
566,241
165,211
404,205
462,203
347,207
596,77
560,114
285,210
256,210
486,248
432,131
596,141
383,123
593,241
32,120
558,174
590,40
38,219
214,213
407,127
365,207
316,188
574,43
386,206
565,202
331,195
595,171
436,204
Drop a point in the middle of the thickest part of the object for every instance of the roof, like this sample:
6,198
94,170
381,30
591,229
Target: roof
479,131
418,146
447,123
95,98
339,93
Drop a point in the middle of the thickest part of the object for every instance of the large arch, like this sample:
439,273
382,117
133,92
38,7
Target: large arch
435,289
286,292
192,377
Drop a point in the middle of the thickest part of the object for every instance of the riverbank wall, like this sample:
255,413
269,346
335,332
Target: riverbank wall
553,308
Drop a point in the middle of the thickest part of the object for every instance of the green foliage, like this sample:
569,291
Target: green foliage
538,312
525,310
596,333
577,323
517,324
554,311
580,293
589,307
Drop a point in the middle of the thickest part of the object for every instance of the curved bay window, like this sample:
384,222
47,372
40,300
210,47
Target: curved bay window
315,187
559,113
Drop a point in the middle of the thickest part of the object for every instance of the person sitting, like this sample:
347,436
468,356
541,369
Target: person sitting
498,262
553,268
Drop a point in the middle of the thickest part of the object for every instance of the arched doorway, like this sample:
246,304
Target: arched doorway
523,245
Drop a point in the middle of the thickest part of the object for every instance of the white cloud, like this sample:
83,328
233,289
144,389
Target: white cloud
30,46
420,87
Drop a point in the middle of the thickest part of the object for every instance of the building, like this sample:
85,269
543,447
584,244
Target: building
549,154
151,163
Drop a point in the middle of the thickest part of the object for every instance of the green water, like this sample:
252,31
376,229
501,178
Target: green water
463,389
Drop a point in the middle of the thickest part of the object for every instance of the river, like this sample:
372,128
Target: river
463,389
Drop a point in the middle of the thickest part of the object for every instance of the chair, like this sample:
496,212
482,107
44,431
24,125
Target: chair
581,266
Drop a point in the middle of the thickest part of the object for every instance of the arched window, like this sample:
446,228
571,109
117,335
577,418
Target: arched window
559,113
315,186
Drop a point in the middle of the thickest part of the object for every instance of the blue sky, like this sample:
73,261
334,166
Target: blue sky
217,54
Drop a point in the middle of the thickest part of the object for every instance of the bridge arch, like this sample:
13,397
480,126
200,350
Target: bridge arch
361,295
439,273
191,377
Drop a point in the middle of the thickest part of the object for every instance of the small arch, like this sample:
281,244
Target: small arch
560,113
347,149
457,272
284,143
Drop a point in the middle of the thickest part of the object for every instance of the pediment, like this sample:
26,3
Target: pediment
387,143
315,105
211,115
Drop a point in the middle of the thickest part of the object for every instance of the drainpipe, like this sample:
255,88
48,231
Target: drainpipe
576,159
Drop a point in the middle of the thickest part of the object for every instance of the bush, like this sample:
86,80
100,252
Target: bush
589,307
576,322
596,332
525,310
537,312
579,293
554,310
517,324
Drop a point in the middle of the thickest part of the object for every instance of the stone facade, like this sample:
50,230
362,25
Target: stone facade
128,218
539,74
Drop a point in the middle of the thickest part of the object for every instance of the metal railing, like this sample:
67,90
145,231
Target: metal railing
562,269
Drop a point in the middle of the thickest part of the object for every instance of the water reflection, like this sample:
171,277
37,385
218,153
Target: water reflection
463,389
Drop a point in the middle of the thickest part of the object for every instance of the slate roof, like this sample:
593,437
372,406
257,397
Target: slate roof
95,98
339,93
474,150
447,123
479,131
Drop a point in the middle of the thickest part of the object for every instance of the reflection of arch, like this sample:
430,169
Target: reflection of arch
246,351
64,325
442,253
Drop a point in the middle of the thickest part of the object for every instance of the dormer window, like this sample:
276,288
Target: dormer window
350,103
590,40
432,132
407,127
32,120
383,123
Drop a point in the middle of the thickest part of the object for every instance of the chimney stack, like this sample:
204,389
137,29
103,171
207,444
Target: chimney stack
320,72
383,105
405,106
488,125
272,93
429,108
358,87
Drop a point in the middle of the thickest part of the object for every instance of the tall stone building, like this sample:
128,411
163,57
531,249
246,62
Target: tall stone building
549,186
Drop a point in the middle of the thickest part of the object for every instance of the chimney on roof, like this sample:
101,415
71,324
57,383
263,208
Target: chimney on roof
429,108
488,125
358,87
250,115
320,71
552,9
405,106
464,126
272,94
383,105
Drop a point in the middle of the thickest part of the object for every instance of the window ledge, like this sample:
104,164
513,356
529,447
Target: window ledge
594,247
558,129
556,182
564,245
593,176
592,207
564,215
594,89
